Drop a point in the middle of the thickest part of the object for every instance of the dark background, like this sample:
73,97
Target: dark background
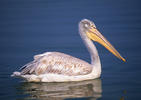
30,27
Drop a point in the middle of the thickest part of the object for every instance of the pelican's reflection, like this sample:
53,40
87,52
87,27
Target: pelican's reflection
59,91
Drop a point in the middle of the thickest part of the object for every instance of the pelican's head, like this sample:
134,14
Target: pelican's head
89,29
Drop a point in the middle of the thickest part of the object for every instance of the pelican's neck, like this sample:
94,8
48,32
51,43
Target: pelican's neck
95,61
92,50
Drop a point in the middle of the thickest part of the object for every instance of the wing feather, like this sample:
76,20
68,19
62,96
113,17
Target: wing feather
56,63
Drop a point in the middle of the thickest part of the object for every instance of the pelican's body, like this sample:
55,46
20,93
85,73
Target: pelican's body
60,67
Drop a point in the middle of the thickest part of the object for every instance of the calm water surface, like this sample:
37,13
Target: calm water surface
30,27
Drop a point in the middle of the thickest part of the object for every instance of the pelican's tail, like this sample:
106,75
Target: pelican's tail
27,78
16,74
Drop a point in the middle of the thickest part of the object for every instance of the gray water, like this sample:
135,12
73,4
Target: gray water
30,27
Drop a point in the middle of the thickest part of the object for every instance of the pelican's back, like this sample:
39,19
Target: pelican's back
56,63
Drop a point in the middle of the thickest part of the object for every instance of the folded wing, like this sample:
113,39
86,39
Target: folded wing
56,63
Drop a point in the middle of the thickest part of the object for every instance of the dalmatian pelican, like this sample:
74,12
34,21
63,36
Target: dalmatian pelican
60,67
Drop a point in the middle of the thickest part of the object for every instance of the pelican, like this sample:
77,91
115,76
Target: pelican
60,67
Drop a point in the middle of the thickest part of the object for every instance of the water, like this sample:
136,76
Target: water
32,27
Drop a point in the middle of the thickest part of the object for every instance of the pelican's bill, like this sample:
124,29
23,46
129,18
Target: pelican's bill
95,35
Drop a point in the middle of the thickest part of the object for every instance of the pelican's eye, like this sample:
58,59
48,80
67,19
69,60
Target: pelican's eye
86,25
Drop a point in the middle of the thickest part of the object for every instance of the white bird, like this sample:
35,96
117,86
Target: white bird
60,67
